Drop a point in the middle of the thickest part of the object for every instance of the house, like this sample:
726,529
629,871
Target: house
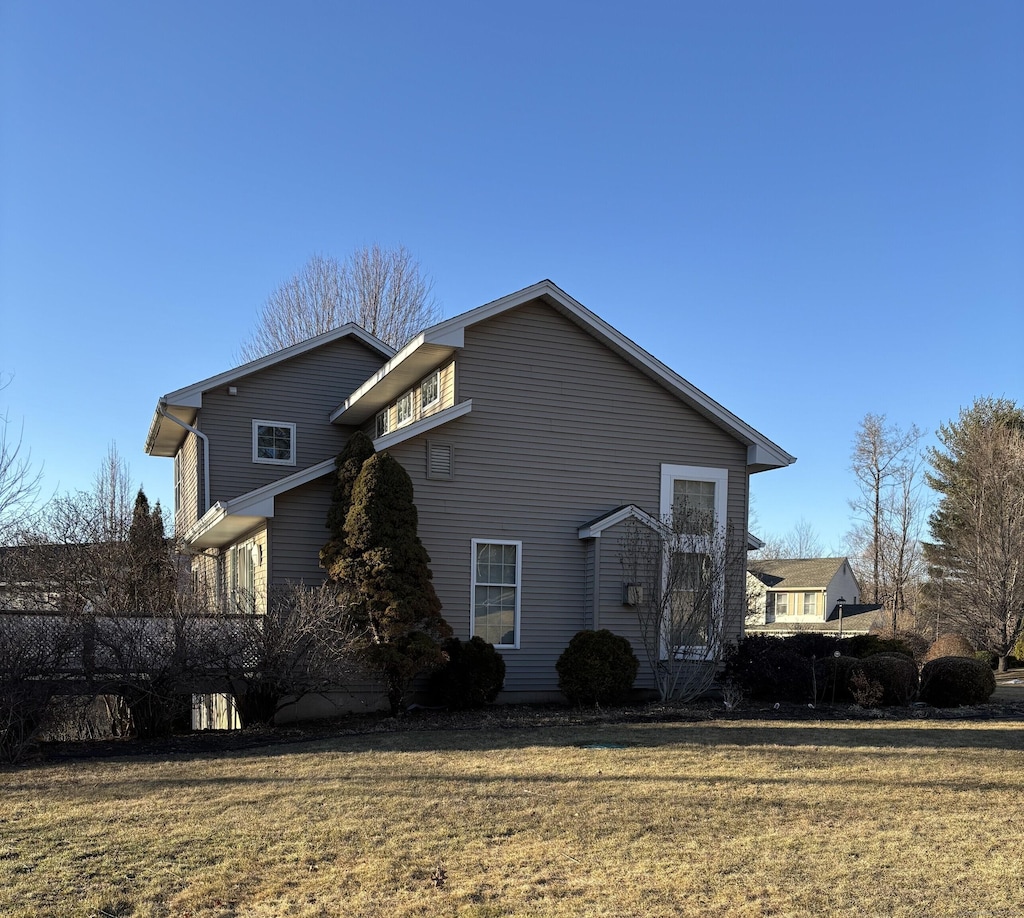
806,594
526,425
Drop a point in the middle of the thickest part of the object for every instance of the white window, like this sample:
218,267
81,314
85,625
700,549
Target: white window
810,603
430,390
273,442
495,590
781,604
243,560
693,505
404,409
383,423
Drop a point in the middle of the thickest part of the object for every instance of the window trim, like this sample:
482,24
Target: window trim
436,378
263,460
400,421
382,423
517,637
694,543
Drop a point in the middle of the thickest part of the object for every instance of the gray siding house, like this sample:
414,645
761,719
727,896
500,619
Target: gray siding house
527,426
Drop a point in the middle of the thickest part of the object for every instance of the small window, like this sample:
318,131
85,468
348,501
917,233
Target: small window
273,442
810,603
781,604
495,591
403,409
383,423
430,390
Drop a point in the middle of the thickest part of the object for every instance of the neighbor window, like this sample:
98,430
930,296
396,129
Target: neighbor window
810,603
273,442
430,390
781,604
403,409
383,423
495,591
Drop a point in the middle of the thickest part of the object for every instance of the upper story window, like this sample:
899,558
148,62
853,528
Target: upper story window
404,409
273,442
430,390
177,482
810,603
383,424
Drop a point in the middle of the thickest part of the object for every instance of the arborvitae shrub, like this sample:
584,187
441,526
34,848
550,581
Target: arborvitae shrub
896,673
951,681
949,645
832,676
867,645
913,643
987,657
472,677
598,667
768,668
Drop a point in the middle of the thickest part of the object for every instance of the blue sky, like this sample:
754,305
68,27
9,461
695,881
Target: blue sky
810,210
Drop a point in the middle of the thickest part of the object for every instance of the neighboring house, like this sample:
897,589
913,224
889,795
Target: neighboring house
527,425
806,594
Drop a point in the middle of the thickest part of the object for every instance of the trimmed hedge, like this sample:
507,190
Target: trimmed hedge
896,673
770,669
472,676
598,667
949,645
951,681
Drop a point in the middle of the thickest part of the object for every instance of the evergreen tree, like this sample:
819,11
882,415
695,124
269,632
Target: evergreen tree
349,464
977,556
386,572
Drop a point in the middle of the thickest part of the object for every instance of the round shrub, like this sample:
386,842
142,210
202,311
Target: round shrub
951,681
949,645
896,673
598,667
472,676
832,676
768,668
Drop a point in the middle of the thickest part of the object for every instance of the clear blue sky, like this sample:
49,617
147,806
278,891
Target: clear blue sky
810,210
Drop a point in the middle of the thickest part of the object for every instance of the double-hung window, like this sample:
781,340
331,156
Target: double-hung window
404,409
273,442
693,509
496,584
430,390
810,604
382,424
781,604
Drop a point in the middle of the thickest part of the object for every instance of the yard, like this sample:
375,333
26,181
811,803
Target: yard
727,817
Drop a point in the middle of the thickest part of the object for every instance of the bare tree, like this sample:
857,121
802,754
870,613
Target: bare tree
886,463
682,572
381,289
802,541
20,479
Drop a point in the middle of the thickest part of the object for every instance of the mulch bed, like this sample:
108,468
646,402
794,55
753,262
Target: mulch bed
508,717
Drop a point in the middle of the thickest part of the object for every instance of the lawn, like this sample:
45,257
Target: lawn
729,818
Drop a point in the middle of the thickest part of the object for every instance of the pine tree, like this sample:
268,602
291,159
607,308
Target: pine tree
349,464
386,572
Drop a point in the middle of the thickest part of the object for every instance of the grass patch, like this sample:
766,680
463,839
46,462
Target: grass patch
730,818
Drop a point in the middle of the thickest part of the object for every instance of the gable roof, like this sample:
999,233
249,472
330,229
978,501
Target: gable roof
435,344
797,573
166,435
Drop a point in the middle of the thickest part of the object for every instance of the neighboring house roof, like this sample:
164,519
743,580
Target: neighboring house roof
166,436
857,619
796,573
435,344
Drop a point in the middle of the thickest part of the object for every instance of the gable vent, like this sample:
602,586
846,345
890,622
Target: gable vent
440,460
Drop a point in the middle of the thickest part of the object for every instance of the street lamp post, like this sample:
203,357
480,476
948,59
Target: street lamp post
840,602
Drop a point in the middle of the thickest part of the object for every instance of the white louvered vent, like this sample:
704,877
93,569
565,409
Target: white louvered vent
440,460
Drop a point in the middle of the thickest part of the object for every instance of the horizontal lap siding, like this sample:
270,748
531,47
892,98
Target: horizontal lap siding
561,431
302,391
298,532
191,484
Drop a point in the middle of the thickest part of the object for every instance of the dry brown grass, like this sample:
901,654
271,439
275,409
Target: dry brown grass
736,818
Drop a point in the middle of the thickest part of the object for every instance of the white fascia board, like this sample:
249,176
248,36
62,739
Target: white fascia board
426,351
422,426
192,396
596,528
225,521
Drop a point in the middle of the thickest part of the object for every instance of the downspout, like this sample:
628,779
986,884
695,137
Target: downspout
161,410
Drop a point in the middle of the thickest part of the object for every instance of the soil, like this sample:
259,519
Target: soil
1006,704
